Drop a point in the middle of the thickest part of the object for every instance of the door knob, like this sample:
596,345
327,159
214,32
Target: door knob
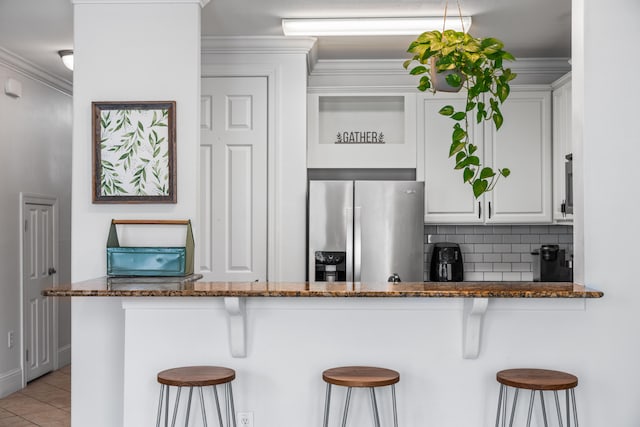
52,271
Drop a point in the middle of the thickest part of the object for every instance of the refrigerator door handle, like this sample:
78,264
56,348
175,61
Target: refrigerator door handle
348,227
357,244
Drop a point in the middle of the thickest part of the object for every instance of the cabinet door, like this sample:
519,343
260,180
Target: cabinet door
523,144
562,146
447,198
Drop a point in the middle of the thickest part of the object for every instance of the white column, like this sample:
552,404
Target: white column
124,50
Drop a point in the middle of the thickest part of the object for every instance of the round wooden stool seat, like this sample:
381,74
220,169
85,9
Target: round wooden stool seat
537,379
196,376
361,376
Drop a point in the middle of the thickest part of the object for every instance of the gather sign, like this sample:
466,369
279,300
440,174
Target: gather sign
359,137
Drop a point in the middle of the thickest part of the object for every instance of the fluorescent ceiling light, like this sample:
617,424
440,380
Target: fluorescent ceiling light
67,58
370,26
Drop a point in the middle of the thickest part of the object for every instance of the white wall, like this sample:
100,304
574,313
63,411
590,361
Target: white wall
142,50
284,63
35,137
290,344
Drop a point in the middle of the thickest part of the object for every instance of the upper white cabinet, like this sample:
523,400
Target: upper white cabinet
361,130
562,147
523,144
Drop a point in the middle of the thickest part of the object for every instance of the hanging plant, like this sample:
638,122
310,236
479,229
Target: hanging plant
477,65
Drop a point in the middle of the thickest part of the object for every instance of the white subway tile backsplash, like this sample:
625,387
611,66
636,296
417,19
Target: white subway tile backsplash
498,252
520,247
512,276
484,266
521,266
481,248
502,247
511,238
474,238
530,238
502,266
511,258
492,238
527,276
493,277
492,257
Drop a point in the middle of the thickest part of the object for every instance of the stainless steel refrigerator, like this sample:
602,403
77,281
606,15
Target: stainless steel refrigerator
366,231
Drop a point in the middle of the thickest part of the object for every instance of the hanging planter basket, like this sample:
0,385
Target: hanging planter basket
439,78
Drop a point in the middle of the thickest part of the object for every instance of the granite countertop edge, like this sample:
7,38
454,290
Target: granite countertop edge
166,287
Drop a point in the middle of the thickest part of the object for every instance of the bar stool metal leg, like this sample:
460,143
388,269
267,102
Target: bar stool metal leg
544,412
499,405
575,409
566,393
346,407
327,399
204,412
186,423
395,406
513,407
175,407
533,396
215,395
233,409
160,406
376,417
555,394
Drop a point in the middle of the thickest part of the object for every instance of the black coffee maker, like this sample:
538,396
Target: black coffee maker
446,263
550,265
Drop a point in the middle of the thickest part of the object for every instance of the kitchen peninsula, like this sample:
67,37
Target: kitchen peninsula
138,329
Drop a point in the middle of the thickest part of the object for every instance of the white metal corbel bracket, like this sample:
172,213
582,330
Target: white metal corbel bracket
237,313
473,315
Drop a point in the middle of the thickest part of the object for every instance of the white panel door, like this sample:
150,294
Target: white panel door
447,198
233,164
523,144
38,273
562,146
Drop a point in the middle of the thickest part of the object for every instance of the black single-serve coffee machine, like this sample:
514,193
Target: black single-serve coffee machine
550,265
446,263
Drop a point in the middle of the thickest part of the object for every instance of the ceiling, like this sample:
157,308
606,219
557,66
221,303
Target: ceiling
35,29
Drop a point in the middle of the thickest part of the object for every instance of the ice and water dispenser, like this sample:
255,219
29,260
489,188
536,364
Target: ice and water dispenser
331,266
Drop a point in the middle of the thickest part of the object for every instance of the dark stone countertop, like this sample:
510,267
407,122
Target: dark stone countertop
191,287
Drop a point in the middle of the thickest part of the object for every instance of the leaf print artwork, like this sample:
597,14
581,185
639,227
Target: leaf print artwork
135,146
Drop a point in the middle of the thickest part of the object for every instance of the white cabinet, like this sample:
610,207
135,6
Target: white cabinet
361,130
562,147
523,144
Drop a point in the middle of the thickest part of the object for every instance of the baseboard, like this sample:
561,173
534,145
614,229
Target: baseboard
64,356
10,382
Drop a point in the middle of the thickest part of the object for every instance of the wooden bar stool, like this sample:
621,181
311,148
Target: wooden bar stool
360,376
196,376
536,380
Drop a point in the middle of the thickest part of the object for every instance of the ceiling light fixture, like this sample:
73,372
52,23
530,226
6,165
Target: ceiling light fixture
370,26
67,58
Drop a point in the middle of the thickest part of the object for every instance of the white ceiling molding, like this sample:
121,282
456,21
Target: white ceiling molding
32,71
202,3
262,45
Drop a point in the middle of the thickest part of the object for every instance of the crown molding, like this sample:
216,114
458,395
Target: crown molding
32,71
262,45
338,67
202,3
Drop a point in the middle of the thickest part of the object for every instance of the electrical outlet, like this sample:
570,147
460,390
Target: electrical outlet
245,419
10,339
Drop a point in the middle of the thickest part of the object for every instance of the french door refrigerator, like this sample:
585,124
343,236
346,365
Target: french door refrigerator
366,231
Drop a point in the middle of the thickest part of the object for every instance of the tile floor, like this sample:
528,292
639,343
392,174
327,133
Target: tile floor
45,402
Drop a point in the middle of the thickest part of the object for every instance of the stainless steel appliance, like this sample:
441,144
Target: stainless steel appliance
446,263
377,226
550,265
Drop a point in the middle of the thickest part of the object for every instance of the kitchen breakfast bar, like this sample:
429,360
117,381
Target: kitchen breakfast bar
265,330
